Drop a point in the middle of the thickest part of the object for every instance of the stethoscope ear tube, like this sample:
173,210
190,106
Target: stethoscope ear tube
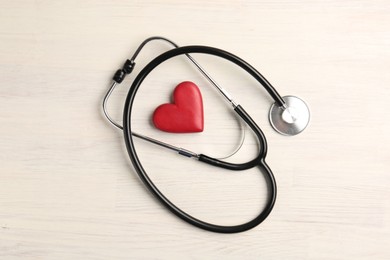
258,162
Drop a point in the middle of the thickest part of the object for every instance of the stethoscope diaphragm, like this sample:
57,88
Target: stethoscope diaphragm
290,119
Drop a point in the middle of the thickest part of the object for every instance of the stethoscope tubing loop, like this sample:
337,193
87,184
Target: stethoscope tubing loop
259,161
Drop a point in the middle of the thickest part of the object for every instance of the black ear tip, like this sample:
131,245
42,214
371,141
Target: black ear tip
128,66
119,76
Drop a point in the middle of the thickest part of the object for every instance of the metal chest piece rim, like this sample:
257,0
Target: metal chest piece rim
290,119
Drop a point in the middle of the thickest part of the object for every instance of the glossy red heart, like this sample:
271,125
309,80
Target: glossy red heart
185,114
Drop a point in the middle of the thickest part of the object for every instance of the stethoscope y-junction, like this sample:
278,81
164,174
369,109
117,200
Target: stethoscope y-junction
289,115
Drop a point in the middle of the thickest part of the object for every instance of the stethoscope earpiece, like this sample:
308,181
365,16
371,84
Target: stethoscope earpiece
290,119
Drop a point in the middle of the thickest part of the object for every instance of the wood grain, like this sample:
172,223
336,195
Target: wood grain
68,190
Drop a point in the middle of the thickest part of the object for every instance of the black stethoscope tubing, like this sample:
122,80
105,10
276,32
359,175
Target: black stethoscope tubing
259,161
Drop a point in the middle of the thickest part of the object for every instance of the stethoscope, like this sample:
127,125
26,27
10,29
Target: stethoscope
288,115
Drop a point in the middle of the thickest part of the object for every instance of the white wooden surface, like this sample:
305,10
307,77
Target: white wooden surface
68,190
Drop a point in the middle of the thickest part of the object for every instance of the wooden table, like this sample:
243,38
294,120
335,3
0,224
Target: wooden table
68,189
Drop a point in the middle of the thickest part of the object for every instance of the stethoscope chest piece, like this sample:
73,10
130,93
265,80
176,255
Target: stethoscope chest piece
290,119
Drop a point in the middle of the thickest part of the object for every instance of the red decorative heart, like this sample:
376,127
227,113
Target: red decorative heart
185,115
